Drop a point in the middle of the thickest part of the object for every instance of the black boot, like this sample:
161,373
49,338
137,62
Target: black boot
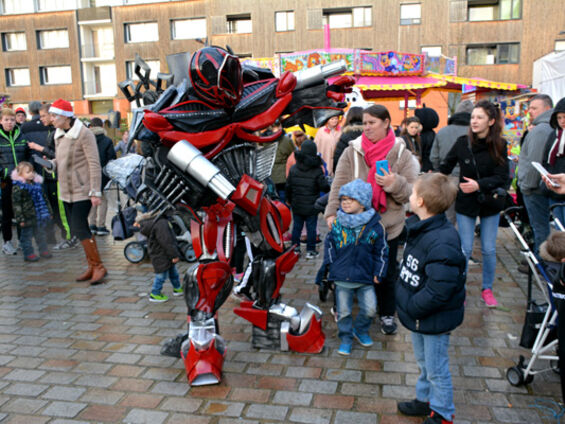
414,408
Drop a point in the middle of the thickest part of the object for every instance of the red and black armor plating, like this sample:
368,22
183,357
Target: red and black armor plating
204,156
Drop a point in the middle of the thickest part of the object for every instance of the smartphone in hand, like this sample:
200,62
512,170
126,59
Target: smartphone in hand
43,162
381,165
544,173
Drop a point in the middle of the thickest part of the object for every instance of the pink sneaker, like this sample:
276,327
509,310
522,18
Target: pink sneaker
489,298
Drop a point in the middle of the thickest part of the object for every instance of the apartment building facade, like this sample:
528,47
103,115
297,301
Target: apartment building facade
80,49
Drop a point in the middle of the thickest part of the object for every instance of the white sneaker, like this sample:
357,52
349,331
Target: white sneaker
8,248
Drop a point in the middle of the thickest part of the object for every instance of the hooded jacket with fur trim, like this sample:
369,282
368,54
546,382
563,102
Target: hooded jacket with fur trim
22,202
77,163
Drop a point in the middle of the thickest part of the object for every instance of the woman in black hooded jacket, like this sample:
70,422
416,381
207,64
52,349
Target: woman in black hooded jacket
430,120
303,186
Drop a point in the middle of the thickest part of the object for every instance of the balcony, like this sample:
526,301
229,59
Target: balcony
94,15
93,52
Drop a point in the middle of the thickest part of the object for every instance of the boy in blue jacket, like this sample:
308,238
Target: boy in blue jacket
356,254
430,293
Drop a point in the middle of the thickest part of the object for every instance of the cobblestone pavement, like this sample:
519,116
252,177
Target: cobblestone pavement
70,353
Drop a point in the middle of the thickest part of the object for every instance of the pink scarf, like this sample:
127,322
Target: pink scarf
374,152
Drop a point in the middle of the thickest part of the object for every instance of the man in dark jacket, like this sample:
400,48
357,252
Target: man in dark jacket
13,149
34,130
106,152
430,295
303,186
429,119
163,252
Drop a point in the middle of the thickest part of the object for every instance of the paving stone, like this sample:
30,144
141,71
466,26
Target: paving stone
167,388
277,413
63,409
64,393
229,409
25,389
292,398
344,417
310,416
24,406
178,404
315,386
145,416
24,375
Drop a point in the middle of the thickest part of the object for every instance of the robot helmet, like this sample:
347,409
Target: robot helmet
216,76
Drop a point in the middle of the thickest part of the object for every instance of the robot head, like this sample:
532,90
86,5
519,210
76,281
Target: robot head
216,77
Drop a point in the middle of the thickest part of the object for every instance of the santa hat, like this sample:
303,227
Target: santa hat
21,110
61,107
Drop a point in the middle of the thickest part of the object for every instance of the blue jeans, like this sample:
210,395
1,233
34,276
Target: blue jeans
434,384
559,211
537,206
489,230
367,310
311,224
26,236
161,277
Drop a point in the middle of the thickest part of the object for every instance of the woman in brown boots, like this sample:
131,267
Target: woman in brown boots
79,173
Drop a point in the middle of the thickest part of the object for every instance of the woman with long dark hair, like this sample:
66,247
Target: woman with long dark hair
411,135
391,190
483,160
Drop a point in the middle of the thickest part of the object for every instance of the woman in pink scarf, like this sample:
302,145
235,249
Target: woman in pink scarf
326,139
390,191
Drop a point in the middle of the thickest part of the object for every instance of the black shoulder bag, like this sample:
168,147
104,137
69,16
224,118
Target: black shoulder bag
497,198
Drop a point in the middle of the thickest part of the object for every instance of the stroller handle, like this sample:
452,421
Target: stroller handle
558,223
511,209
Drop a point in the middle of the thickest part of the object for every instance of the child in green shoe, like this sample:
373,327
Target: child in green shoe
163,252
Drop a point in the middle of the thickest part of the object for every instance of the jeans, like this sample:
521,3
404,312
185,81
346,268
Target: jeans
26,236
311,224
367,311
538,210
434,384
559,211
160,278
489,230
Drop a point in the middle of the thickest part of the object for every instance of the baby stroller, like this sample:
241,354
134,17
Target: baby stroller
126,175
541,318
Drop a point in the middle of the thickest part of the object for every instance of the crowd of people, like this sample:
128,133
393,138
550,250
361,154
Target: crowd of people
365,178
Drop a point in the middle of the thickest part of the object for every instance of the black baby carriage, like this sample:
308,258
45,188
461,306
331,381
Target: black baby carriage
539,332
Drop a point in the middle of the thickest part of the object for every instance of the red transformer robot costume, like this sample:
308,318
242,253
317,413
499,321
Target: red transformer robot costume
204,157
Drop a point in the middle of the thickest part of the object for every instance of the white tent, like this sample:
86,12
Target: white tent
549,75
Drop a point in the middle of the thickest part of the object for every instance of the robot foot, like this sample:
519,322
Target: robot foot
172,346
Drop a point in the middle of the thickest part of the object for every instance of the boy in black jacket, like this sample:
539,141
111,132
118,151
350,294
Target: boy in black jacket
163,252
303,186
430,293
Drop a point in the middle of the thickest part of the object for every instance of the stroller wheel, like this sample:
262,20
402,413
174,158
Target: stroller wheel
135,252
515,376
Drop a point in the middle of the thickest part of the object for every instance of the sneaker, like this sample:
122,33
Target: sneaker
312,254
46,255
178,292
344,349
66,244
388,325
31,258
8,248
334,313
93,228
489,298
474,261
436,419
102,231
414,408
363,339
159,298
524,269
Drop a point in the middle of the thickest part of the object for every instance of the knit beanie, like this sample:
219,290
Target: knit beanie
360,191
61,107
465,106
309,148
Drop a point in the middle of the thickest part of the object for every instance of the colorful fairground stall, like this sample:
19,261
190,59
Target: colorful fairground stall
402,81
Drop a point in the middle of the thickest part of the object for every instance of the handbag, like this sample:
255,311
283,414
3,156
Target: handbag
497,199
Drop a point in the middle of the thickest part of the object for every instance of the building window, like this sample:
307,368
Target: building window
16,6
154,65
240,24
53,39
432,51
493,54
188,29
559,45
284,21
494,10
14,41
50,75
141,32
17,76
348,17
410,14
48,5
